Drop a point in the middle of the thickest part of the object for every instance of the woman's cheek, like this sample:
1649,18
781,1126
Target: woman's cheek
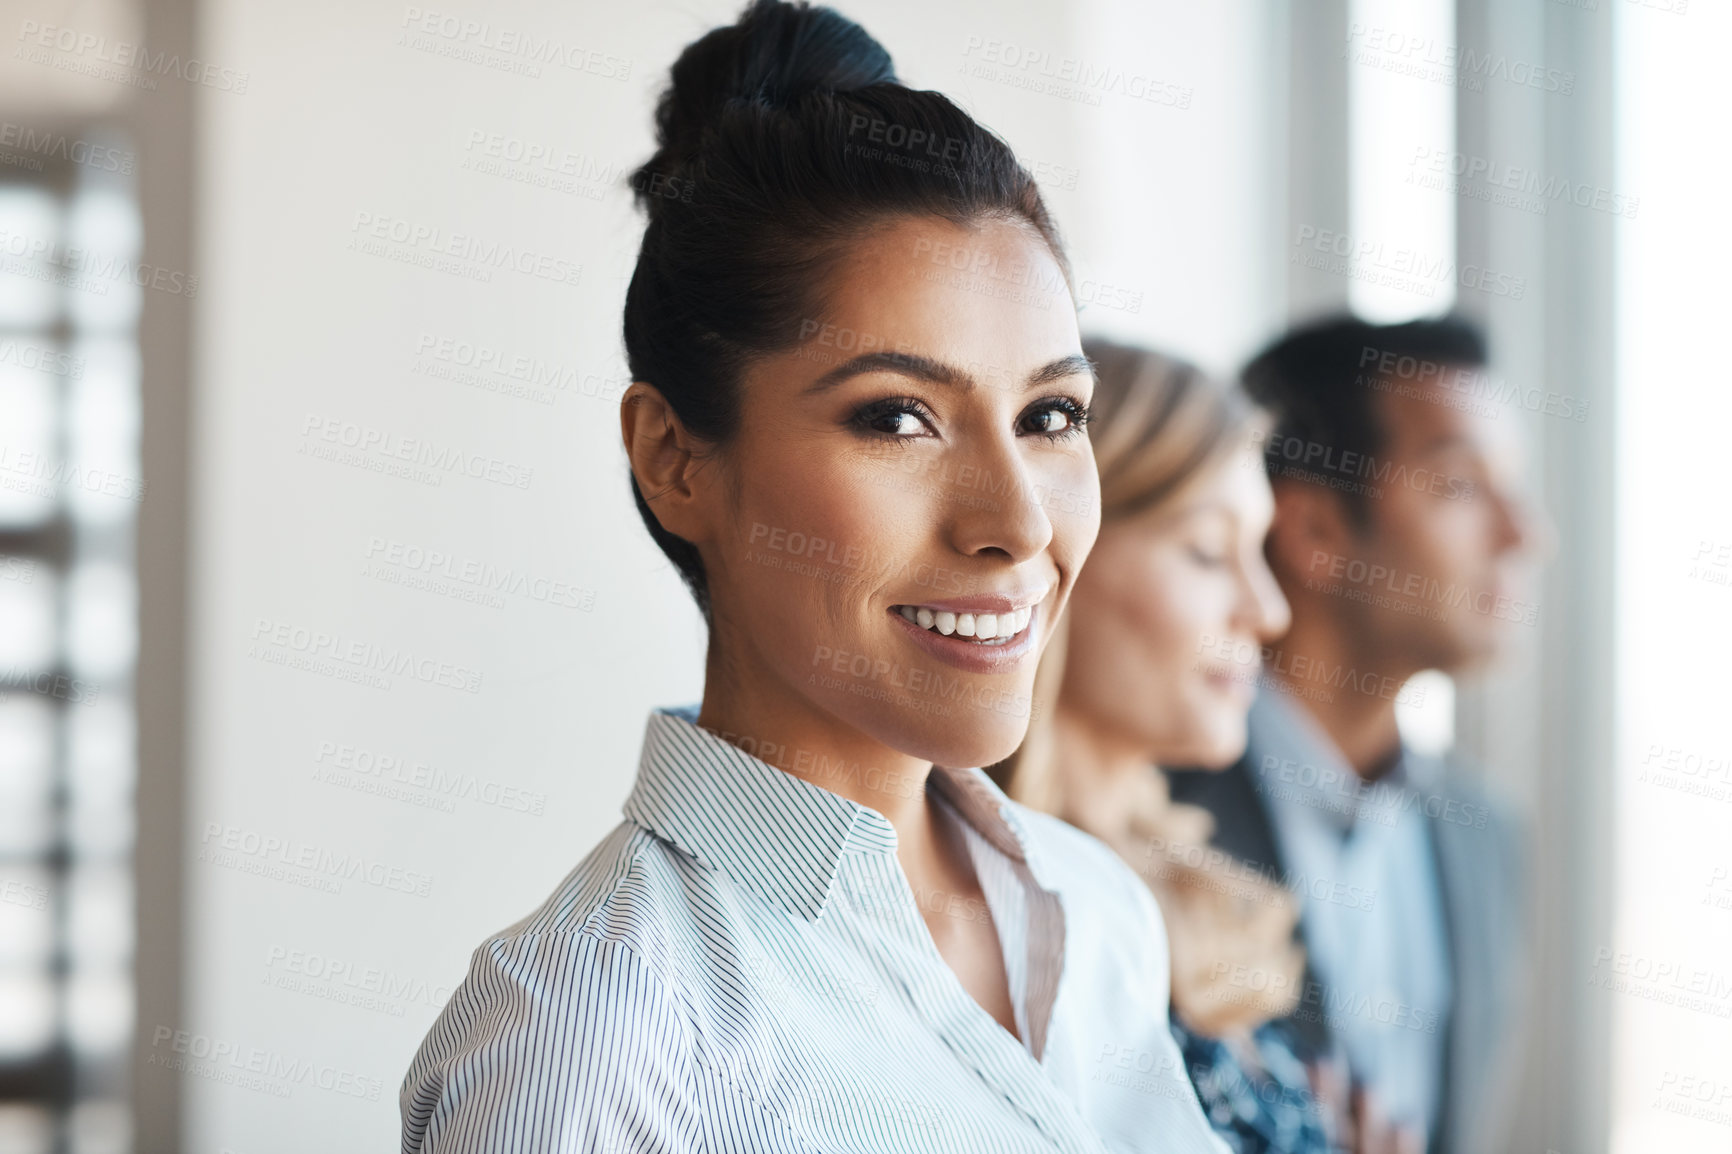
1070,480
1179,615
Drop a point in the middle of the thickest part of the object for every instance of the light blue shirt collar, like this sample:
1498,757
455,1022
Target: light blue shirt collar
1311,773
781,836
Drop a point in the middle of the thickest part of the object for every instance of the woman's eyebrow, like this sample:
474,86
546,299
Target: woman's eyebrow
939,373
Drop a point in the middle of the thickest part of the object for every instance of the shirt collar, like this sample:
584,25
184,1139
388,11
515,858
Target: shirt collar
1294,753
772,832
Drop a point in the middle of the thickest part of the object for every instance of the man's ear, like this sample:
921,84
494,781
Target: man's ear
1309,532
671,465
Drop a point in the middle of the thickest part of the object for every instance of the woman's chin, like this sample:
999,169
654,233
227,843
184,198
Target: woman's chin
1212,751
960,745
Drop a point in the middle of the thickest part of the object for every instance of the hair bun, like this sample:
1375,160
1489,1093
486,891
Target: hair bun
775,54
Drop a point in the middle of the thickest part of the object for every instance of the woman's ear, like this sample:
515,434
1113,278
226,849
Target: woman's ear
669,463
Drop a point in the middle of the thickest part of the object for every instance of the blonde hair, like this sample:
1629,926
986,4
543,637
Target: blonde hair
1159,425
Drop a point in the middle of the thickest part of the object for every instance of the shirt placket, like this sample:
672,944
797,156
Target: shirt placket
966,1029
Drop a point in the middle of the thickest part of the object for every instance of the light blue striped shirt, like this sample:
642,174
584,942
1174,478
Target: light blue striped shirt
1382,953
742,966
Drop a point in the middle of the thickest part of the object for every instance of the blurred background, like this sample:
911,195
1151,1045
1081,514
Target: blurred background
327,626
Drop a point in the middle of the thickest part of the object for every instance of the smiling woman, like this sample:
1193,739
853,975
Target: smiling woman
857,427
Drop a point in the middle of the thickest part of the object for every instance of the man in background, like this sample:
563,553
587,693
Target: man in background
1398,539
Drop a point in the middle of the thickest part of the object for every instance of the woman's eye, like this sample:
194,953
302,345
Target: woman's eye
1050,421
899,418
1056,419
902,424
1207,558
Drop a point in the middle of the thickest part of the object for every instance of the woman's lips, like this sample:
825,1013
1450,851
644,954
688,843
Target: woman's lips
970,655
1228,683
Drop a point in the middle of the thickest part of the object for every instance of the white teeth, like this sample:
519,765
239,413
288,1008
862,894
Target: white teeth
980,626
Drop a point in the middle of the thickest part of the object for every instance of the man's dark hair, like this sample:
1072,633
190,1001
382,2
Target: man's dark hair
1321,381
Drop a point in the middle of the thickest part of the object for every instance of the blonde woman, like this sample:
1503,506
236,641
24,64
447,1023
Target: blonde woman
1131,681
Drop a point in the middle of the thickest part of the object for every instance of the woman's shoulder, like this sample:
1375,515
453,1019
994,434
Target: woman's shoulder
632,890
549,1000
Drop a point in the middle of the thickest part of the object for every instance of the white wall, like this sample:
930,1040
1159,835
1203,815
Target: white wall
344,121
1666,972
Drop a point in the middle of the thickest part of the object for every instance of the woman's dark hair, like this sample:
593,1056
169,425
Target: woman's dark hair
782,139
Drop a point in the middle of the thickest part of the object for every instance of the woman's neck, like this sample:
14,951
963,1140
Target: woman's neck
790,733
1105,777
818,751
